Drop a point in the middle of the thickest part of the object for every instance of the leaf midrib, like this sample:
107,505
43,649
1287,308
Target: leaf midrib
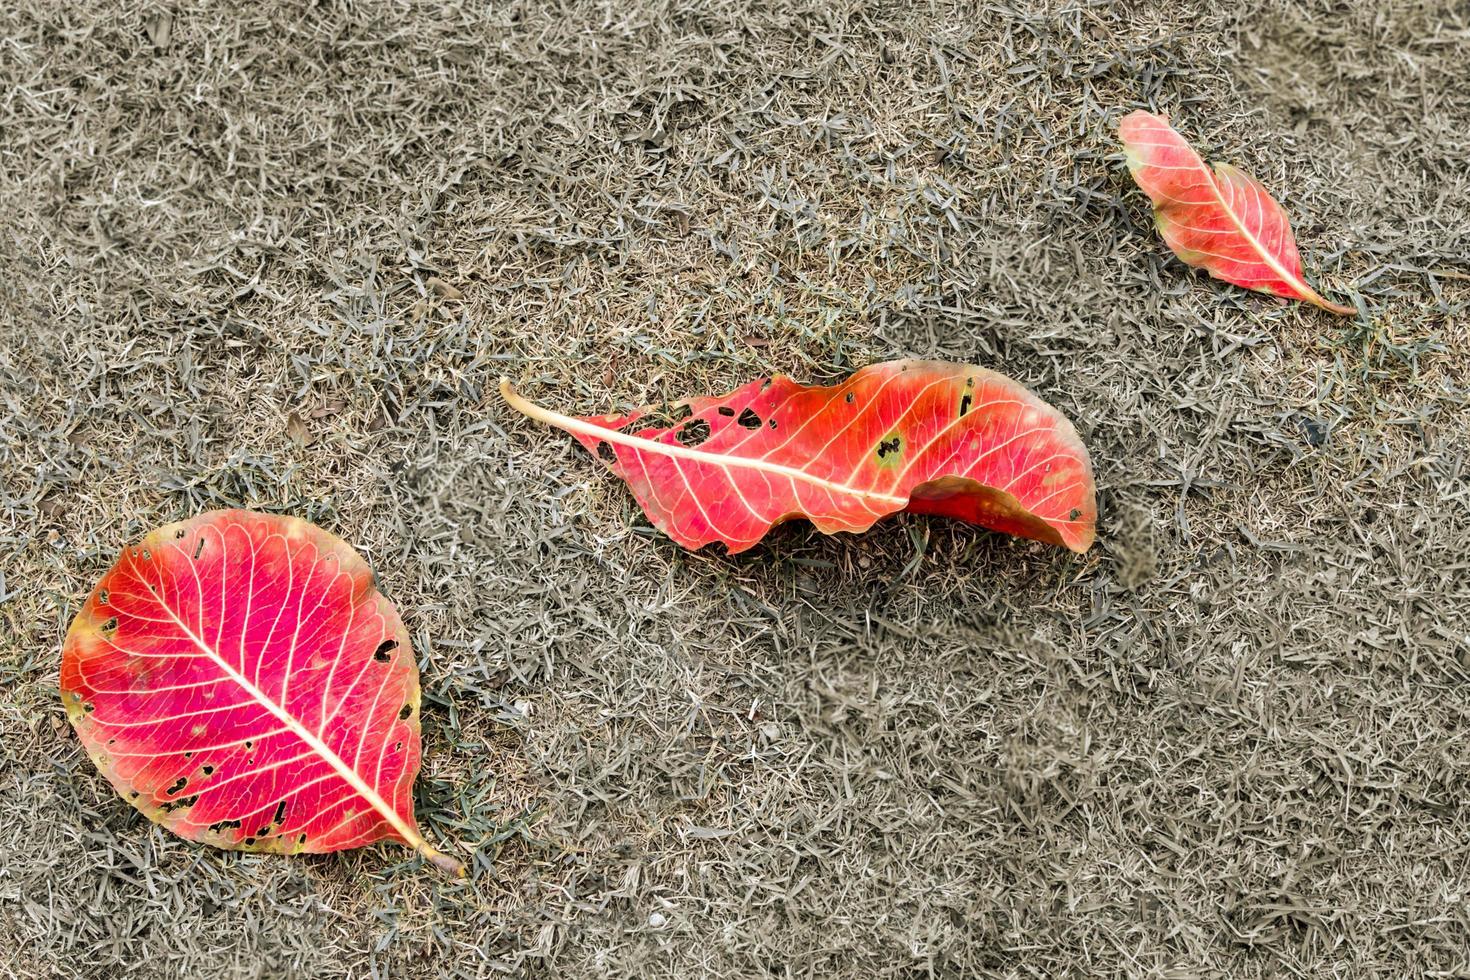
576,425
346,772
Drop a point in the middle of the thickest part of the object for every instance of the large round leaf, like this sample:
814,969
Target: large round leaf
240,680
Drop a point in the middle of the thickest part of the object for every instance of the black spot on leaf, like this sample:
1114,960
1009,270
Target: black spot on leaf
726,411
384,652
749,420
888,446
606,452
850,398
179,534
771,423
1076,513
199,549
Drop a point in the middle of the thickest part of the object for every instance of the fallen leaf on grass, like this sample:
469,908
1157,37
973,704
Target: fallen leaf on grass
1221,220
238,679
297,431
444,289
922,436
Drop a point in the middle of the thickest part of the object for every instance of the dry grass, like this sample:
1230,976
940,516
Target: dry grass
1229,741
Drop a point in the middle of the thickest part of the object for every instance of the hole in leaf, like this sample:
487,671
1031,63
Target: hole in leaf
693,433
146,555
263,831
249,744
110,625
850,398
1076,513
89,707
965,403
606,452
222,825
384,651
726,411
405,712
250,842
771,423
280,813
189,754
199,549
749,420
103,596
178,786
209,770
172,805
133,795
397,746
888,446
178,534
301,839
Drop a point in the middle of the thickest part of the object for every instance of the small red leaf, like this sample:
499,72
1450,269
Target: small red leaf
239,679
929,437
1222,221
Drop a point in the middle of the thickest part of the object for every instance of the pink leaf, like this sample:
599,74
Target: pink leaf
1222,221
238,679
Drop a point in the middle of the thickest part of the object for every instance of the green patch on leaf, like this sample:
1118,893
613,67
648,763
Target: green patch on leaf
889,450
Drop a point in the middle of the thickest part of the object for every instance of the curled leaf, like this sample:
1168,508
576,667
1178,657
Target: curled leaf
238,678
923,436
1221,220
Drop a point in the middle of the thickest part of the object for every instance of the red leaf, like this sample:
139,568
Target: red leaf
1222,221
929,437
239,679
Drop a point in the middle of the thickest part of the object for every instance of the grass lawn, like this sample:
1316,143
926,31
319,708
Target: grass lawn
277,255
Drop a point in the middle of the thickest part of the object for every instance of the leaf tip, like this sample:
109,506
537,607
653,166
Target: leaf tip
443,861
1337,308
